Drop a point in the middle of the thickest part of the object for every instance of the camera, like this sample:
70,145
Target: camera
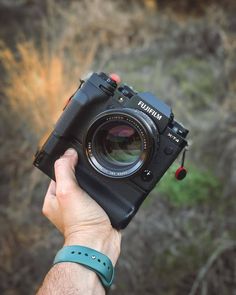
126,140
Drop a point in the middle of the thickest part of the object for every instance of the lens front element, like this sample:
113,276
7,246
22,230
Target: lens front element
119,142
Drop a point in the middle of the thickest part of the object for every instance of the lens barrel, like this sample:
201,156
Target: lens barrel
120,141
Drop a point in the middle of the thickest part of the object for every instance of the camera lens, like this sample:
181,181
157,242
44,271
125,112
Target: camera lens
119,143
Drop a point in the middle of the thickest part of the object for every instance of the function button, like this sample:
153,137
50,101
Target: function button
147,175
111,82
179,129
168,150
126,91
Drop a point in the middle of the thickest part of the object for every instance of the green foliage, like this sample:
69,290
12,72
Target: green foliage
196,80
198,186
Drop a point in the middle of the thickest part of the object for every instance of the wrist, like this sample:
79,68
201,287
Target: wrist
105,240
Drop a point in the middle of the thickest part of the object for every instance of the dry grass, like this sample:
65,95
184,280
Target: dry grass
36,84
39,78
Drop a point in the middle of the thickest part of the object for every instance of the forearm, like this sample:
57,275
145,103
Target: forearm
83,223
71,279
74,279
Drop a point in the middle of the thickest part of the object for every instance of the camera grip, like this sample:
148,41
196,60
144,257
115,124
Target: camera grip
104,191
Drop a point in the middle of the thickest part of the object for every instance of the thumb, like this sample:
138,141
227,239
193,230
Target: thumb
66,183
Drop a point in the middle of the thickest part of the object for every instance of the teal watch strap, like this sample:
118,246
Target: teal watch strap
89,258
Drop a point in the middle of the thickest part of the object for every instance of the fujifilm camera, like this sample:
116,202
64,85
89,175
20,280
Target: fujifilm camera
126,141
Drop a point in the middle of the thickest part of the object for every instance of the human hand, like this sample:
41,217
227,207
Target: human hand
76,215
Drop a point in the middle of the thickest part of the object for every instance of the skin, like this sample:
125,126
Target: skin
82,222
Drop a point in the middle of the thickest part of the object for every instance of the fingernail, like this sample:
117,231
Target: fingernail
70,152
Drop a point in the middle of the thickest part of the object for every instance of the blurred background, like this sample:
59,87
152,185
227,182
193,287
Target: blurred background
183,239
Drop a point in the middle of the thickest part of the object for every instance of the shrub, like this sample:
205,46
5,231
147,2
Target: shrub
198,186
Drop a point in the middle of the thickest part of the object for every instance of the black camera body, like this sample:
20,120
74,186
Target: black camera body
125,140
